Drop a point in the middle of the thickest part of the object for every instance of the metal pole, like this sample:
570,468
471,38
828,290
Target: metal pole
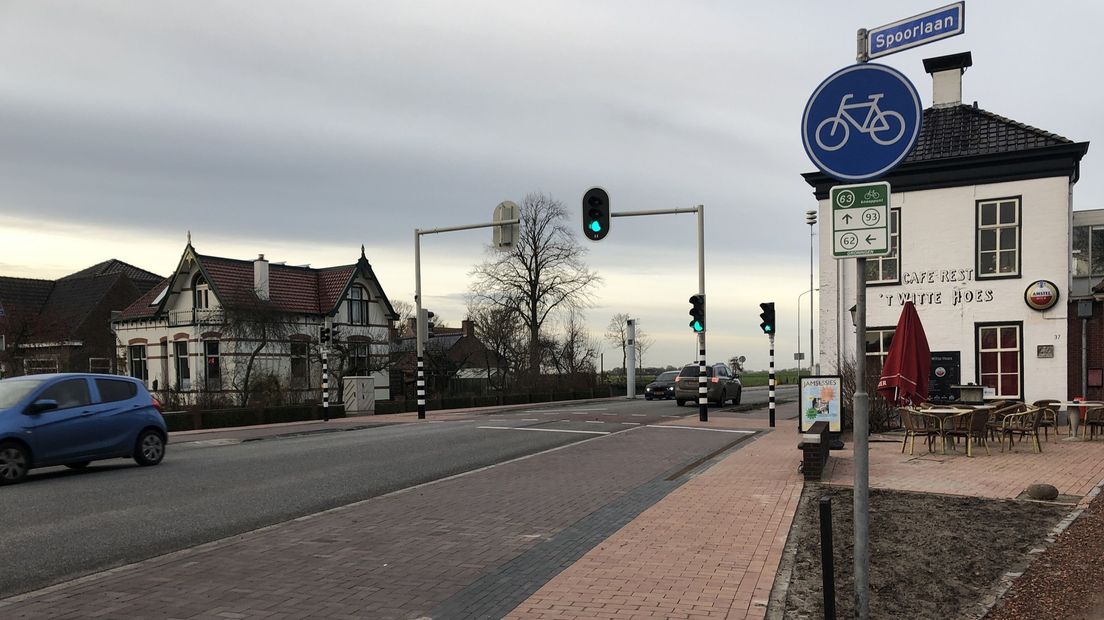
770,381
812,344
630,367
799,334
1084,360
418,322
862,454
703,388
827,564
326,374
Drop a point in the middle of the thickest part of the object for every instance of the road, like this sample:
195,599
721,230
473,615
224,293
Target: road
63,523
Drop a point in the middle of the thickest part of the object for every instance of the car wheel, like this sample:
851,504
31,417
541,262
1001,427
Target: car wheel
680,402
647,398
739,396
14,463
722,399
150,448
78,465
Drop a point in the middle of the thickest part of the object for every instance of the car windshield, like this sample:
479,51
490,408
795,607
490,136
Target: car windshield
692,371
11,392
668,376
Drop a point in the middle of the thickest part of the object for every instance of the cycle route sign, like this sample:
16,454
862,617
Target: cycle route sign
860,220
861,122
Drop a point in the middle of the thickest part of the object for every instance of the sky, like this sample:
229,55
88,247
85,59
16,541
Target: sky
303,130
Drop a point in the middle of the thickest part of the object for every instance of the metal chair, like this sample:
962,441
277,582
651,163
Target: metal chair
971,426
918,424
1050,416
1022,424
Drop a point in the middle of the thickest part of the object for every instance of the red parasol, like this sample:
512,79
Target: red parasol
905,373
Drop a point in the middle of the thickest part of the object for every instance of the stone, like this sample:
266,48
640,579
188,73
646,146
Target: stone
1045,492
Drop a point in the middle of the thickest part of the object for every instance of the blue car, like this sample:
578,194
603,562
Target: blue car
74,419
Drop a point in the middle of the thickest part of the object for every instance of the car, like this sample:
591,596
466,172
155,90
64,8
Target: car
663,386
722,384
72,419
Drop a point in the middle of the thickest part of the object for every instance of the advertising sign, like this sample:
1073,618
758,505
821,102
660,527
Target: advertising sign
946,371
820,399
1041,295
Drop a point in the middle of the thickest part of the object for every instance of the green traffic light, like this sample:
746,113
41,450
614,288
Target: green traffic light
596,226
697,326
768,328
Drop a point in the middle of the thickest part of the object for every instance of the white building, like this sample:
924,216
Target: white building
981,210
192,336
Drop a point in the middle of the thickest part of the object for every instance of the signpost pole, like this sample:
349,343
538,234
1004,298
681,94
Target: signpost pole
770,382
861,425
419,341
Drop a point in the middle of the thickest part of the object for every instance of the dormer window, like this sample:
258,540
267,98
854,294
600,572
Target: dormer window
358,306
201,293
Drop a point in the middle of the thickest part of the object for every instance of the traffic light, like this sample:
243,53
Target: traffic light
334,333
768,317
596,214
323,334
697,311
428,316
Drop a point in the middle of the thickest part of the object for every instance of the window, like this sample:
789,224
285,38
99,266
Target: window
359,354
878,340
183,365
358,306
999,358
138,362
68,393
201,293
112,390
1088,251
299,367
998,238
887,269
40,366
100,365
213,372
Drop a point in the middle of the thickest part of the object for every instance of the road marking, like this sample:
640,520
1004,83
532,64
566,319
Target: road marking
529,420
631,423
639,415
546,430
593,422
698,428
214,442
559,410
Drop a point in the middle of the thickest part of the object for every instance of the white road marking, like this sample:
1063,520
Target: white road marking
545,430
639,415
593,422
529,420
698,428
561,410
631,423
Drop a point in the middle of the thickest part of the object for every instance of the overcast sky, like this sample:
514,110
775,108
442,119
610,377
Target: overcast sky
303,130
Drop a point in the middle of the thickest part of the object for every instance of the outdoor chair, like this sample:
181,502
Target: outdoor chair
971,426
1094,420
996,416
1020,425
919,424
1050,416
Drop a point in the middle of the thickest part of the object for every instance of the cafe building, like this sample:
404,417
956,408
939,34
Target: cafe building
981,218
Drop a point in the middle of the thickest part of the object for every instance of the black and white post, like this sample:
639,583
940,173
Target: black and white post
703,387
326,370
770,381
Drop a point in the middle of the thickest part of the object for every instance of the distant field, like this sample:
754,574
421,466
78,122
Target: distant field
782,377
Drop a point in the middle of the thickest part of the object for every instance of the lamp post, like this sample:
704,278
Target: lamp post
811,220
799,330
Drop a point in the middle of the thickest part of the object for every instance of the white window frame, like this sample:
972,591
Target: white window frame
358,305
40,365
143,359
1003,230
302,380
207,378
105,364
201,295
182,362
878,357
877,264
998,350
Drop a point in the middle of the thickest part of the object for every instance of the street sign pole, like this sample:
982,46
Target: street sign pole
861,422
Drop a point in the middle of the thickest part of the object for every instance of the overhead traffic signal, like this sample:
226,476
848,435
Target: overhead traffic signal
697,311
596,214
768,317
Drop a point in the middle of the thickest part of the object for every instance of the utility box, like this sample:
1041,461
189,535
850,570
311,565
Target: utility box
359,395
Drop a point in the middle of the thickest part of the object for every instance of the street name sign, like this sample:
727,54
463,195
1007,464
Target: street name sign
921,29
861,122
860,220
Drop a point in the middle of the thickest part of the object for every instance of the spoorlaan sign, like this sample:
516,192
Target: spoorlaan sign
919,29
861,122
1041,295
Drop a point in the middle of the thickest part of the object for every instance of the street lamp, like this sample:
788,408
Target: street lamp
811,220
799,329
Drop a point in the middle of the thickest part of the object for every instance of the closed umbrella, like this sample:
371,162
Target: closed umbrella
904,377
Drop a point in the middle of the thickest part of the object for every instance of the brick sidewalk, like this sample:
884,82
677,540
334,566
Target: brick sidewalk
708,550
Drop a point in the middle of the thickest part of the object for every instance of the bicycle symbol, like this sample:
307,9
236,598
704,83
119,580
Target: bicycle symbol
876,124
872,194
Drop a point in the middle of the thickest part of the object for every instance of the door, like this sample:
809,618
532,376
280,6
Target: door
63,433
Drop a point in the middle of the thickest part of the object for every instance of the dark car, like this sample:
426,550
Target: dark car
663,386
722,385
74,419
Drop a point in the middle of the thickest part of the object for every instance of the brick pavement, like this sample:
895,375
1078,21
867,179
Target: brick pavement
708,550
406,554
1074,467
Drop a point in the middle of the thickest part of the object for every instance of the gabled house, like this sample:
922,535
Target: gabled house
223,330
456,361
64,325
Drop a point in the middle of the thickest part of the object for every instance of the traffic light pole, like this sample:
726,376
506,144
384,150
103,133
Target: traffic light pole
770,381
326,372
419,332
703,381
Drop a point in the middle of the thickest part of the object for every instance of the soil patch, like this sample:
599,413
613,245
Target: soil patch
931,556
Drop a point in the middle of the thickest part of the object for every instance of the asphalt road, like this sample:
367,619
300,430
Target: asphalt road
61,524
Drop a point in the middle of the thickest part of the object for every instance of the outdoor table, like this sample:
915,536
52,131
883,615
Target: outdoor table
1074,417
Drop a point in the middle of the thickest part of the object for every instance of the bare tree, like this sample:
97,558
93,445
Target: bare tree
499,330
642,343
574,354
404,309
617,334
253,323
542,274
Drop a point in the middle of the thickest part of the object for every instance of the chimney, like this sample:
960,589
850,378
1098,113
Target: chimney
467,328
946,72
260,276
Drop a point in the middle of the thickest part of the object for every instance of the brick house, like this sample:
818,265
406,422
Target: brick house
457,361
64,325
217,323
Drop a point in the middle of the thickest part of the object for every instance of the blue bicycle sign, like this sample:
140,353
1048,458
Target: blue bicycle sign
861,122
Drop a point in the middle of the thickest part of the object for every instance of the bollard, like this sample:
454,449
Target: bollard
828,570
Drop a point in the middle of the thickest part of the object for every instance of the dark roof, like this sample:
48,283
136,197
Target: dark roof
143,306
24,295
963,130
73,299
141,278
408,344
